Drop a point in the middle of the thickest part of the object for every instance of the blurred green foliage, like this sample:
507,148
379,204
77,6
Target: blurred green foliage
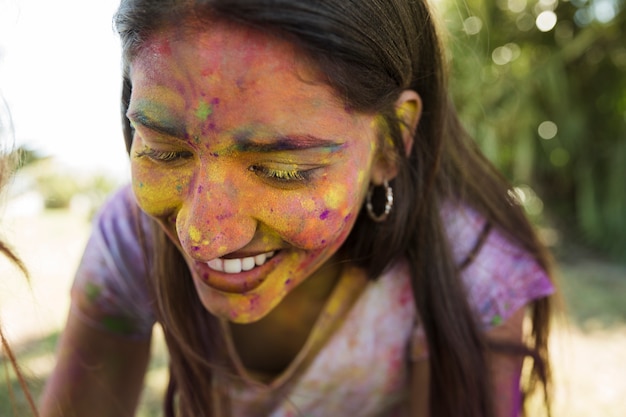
60,187
541,85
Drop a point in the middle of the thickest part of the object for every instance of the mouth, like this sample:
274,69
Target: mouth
237,275
237,265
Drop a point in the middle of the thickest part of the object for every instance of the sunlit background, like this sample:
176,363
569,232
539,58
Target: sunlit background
60,75
541,85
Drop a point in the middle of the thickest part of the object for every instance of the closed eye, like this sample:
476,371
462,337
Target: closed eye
163,156
282,175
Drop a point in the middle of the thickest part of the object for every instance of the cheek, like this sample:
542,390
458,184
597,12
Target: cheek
321,218
158,192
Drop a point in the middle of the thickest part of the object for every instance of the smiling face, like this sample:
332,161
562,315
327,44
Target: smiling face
252,165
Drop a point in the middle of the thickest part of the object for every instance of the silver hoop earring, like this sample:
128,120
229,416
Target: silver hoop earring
388,204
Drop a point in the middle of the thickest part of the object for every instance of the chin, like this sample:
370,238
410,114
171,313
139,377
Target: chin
236,308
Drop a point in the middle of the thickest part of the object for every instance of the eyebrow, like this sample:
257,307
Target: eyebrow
170,129
243,141
287,143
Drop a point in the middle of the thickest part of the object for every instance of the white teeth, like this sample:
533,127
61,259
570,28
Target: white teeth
247,263
260,259
236,265
216,264
232,266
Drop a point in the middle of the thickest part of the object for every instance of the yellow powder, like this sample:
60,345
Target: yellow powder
194,234
308,205
335,196
361,177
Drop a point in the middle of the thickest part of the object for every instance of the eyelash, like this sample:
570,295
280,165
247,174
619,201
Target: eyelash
163,156
277,175
283,176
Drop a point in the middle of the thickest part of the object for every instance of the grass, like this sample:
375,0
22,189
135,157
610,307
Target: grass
589,348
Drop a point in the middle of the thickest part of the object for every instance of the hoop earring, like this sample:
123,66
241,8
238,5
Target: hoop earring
388,204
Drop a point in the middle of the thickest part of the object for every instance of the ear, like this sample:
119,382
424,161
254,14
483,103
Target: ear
408,108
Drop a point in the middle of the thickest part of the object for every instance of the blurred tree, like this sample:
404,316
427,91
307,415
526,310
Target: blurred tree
28,156
541,85
59,186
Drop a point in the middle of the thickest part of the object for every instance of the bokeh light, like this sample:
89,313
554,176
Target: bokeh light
546,21
472,25
547,129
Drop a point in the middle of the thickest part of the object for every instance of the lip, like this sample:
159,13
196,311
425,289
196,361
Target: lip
237,283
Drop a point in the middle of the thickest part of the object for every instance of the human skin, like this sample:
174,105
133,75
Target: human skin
241,151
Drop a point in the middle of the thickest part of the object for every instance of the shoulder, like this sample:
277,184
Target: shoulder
110,287
500,277
121,234
120,216
464,227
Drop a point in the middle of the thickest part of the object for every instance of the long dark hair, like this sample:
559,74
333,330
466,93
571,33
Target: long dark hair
370,51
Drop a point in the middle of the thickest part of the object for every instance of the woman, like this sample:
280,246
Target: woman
308,222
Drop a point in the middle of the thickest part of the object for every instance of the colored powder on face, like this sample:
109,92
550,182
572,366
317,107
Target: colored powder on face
163,47
308,205
194,234
361,177
215,176
324,215
243,135
156,192
254,301
334,197
204,110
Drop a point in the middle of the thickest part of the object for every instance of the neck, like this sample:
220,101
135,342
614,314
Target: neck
270,344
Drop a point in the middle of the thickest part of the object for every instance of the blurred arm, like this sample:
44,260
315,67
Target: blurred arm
505,373
506,369
97,374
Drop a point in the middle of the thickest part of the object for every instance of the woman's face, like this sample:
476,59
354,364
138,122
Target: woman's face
252,165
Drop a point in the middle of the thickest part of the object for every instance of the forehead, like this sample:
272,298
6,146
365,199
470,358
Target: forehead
218,36
226,75
222,52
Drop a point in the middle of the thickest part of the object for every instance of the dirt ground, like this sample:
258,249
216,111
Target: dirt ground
588,350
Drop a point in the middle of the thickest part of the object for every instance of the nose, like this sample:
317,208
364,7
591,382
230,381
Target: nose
213,220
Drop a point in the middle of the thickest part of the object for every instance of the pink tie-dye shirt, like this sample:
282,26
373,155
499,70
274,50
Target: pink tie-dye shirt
362,368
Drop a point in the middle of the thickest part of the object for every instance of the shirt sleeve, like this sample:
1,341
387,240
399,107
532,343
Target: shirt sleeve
110,289
501,277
